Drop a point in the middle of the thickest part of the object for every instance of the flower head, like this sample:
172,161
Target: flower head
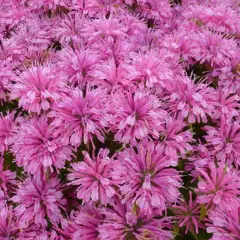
81,116
225,221
96,178
187,214
38,198
36,148
150,182
224,141
136,116
37,88
218,185
121,223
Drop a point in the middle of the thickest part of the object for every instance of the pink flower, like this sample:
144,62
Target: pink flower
136,116
7,179
226,105
154,68
224,141
155,9
214,49
7,125
175,139
121,222
80,116
8,223
149,180
77,65
192,100
225,221
218,185
38,88
96,178
111,75
36,148
87,220
187,215
38,198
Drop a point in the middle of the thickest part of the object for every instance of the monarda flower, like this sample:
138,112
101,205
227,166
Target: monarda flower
7,126
96,178
36,148
153,68
37,88
121,222
175,139
80,116
187,215
149,180
38,198
86,221
77,65
225,221
224,141
192,100
9,227
136,116
218,185
214,49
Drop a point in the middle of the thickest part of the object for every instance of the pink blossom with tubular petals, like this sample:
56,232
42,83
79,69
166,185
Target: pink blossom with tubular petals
96,178
7,126
38,198
187,215
80,116
36,148
224,141
122,223
192,101
37,88
150,182
225,221
218,185
136,116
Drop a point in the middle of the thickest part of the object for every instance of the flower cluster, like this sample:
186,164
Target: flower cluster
119,119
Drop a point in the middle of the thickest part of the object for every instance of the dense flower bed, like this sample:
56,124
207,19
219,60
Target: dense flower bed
120,119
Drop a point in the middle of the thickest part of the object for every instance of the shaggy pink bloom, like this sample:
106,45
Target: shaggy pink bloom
187,215
149,182
87,220
175,139
37,88
218,185
136,116
8,224
155,9
38,198
153,68
224,141
103,28
200,158
122,222
214,49
6,75
7,178
226,105
36,148
7,125
192,100
225,221
96,178
110,75
229,74
77,65
80,116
